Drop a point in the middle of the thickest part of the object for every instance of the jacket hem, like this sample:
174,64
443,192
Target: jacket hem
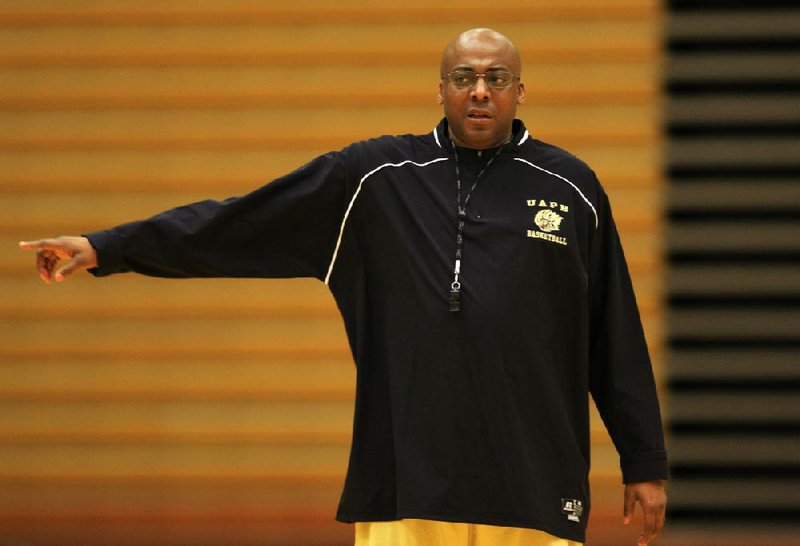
577,536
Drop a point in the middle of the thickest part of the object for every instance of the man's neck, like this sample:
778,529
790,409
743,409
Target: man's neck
457,142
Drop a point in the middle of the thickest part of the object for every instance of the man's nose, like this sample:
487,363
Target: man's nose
480,91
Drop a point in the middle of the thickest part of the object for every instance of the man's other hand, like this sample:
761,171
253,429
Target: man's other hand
653,500
50,253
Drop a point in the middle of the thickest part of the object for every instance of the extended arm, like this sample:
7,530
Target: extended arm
287,228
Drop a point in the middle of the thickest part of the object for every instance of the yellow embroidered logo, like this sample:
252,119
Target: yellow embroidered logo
547,220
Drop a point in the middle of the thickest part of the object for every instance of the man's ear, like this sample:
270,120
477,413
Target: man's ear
440,95
521,93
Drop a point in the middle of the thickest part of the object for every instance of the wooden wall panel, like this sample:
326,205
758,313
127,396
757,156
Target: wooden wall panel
147,411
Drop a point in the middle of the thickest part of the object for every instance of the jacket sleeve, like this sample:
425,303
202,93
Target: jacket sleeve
621,377
287,228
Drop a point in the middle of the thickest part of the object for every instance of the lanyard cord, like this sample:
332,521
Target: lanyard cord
454,300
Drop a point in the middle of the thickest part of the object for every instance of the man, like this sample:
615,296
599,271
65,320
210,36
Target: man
484,293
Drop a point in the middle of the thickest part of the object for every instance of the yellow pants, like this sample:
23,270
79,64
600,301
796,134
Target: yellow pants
420,532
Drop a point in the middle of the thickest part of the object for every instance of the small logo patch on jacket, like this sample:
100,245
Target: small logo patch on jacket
548,220
573,508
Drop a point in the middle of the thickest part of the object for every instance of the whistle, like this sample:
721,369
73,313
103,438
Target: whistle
454,300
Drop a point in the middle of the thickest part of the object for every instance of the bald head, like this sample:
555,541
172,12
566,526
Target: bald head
480,115
484,38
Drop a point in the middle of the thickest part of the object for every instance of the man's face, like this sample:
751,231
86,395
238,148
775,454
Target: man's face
480,117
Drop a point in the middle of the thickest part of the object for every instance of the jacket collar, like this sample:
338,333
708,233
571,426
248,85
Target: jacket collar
519,135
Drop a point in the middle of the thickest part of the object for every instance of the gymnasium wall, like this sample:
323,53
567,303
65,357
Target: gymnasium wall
147,411
732,120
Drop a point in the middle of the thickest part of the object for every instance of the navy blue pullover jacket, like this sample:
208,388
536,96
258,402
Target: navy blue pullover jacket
477,416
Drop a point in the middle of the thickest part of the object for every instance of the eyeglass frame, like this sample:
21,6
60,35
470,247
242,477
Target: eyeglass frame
447,76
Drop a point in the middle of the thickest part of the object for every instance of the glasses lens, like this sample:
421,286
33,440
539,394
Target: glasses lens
496,79
499,79
462,79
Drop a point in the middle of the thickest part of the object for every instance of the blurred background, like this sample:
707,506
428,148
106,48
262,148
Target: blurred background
139,411
732,128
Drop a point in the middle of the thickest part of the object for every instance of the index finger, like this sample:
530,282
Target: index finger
40,244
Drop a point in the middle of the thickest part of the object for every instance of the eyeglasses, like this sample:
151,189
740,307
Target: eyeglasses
464,79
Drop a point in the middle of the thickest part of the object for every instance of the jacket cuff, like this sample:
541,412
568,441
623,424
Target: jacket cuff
644,467
108,246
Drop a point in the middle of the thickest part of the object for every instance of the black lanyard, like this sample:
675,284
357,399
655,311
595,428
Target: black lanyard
454,300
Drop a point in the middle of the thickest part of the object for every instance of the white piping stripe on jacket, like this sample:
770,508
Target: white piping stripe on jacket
524,138
596,221
355,195
436,136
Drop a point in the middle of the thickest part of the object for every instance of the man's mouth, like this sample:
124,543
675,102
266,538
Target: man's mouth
478,115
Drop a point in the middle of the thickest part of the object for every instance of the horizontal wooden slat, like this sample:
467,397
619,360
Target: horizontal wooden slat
256,128
181,420
199,334
176,528
757,194
734,323
736,66
725,450
758,109
220,379
110,57
116,351
739,24
739,494
741,533
20,13
735,236
265,44
751,407
134,295
200,494
734,364
750,279
49,460
247,87
755,152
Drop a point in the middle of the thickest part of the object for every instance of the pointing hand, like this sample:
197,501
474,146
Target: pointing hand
50,252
